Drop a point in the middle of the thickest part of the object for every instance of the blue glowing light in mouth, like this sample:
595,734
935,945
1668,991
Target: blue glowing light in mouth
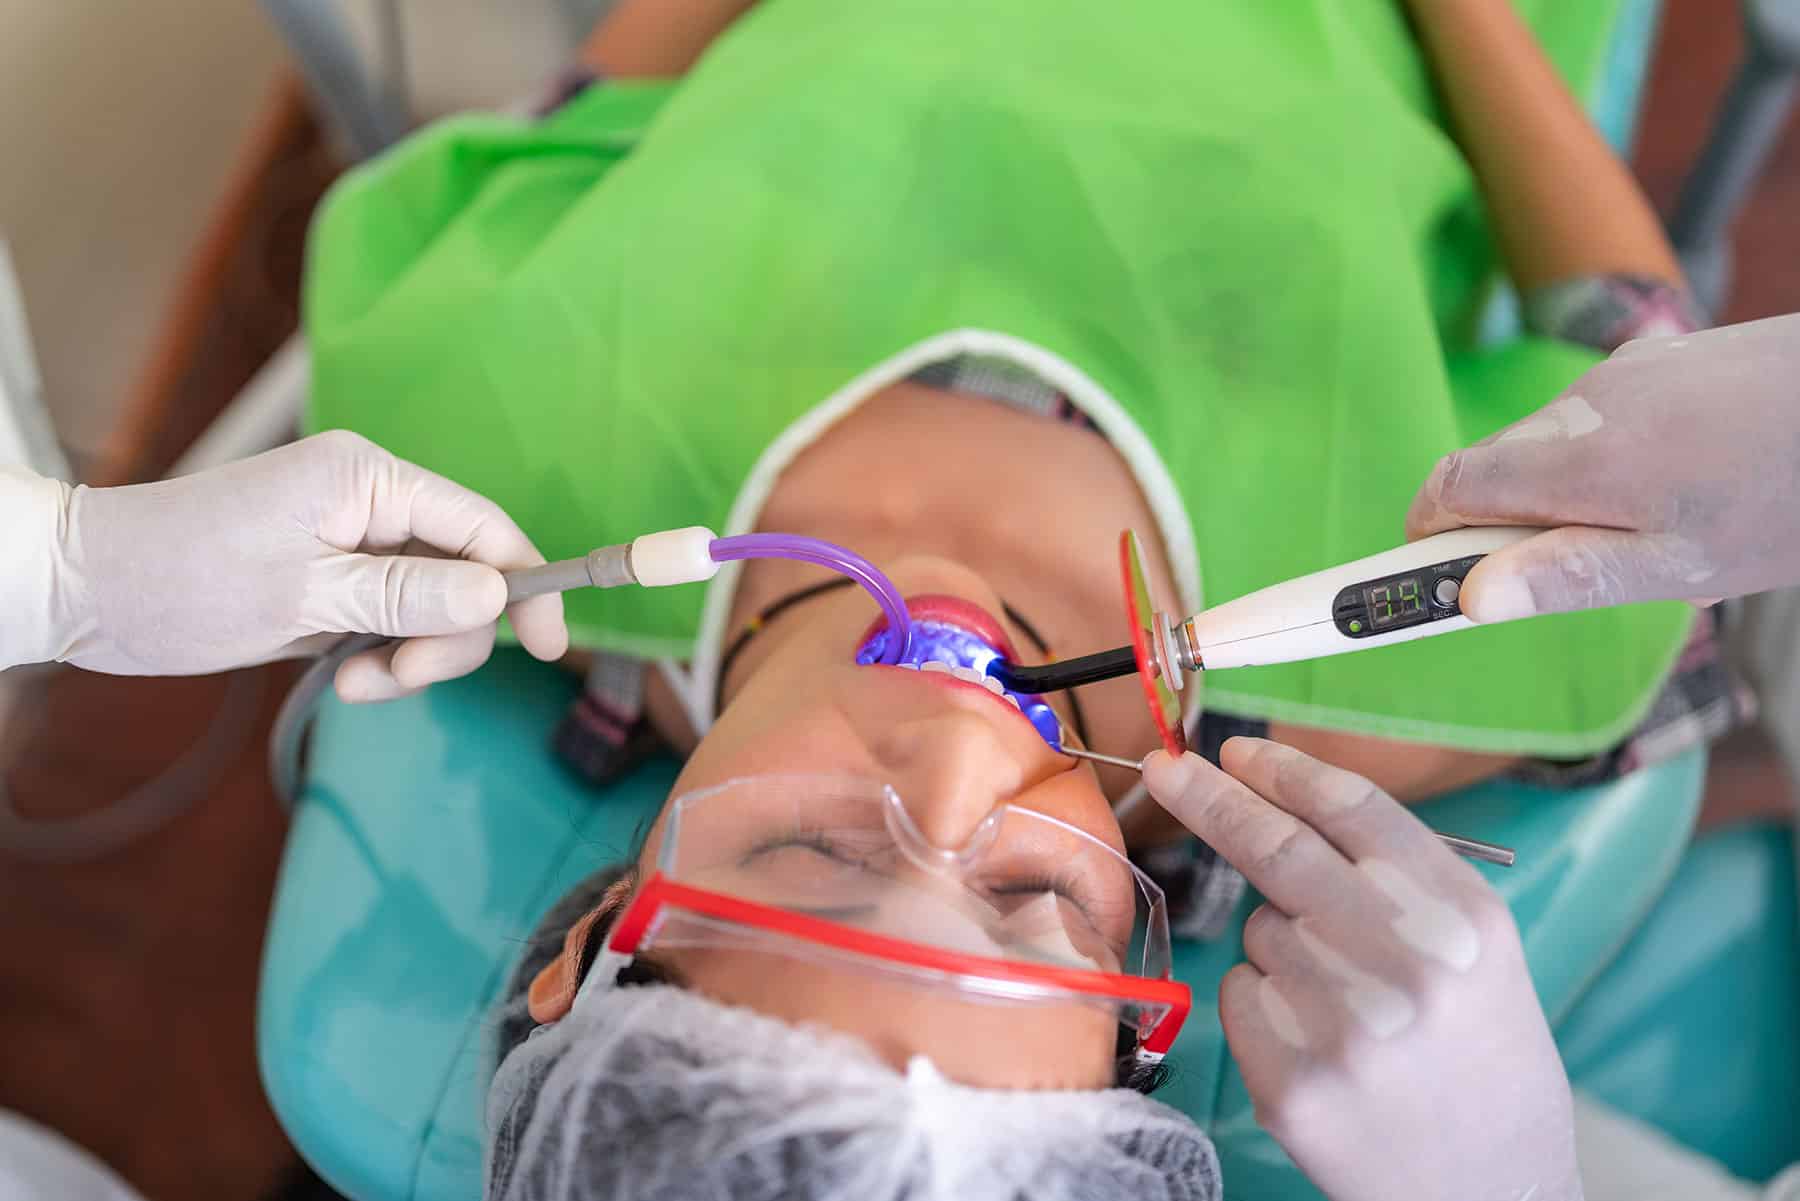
966,656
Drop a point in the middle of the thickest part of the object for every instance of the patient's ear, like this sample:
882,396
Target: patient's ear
553,990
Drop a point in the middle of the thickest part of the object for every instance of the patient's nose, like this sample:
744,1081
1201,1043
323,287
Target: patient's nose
950,774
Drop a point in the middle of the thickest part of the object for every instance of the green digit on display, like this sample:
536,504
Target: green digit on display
1410,603
1381,600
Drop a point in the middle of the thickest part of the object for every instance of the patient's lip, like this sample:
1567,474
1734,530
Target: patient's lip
953,610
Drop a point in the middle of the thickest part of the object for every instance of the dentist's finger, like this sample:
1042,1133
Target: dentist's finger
1269,1040
423,661
1354,815
369,677
407,501
1325,959
1287,860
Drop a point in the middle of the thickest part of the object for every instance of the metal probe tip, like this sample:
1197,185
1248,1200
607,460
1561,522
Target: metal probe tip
1076,753
1471,848
1474,848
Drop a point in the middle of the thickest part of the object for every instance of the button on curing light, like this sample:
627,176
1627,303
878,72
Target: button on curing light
1446,591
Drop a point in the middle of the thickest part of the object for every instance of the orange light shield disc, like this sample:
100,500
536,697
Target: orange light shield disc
1148,646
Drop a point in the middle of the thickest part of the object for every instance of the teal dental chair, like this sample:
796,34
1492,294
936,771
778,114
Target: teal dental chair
431,833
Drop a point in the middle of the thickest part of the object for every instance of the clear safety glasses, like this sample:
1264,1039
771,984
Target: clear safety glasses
1024,909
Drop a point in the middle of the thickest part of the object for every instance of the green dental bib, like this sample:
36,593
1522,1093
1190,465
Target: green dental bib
1241,221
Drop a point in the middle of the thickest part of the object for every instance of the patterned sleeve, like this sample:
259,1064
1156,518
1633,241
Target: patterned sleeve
1607,311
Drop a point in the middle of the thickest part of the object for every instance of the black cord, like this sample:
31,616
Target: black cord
1006,673
754,627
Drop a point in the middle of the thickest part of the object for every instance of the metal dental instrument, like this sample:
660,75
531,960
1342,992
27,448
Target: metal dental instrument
1472,848
1135,765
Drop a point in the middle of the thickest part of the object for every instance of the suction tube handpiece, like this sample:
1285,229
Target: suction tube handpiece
607,567
689,555
682,556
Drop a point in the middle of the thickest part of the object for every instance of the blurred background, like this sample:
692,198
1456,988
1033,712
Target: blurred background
158,166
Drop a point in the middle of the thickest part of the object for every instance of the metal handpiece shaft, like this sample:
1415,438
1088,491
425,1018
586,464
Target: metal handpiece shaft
606,567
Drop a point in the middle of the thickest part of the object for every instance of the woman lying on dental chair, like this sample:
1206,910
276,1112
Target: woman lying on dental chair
1385,991
1152,218
970,290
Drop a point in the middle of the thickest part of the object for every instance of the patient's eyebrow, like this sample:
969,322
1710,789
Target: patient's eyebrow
612,903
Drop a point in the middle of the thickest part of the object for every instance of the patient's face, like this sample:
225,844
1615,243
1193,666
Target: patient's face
953,751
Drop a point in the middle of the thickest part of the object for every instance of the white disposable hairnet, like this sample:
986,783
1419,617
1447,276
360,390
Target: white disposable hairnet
650,1092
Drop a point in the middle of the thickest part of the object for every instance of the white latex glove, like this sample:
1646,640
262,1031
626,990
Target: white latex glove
1676,463
271,557
1385,1024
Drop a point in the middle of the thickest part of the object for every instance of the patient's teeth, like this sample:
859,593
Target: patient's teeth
908,666
969,674
975,677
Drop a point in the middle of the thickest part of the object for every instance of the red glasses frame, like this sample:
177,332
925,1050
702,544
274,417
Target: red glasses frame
640,917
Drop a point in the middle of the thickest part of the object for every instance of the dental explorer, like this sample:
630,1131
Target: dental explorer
1471,848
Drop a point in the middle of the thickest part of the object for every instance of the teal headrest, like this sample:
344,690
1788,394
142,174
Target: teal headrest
431,835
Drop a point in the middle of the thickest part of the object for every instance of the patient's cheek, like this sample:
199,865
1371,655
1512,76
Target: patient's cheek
1408,771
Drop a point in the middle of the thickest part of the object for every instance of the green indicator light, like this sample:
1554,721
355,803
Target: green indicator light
1356,627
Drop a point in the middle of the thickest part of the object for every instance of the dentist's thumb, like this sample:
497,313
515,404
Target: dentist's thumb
1182,784
1167,775
403,596
1580,567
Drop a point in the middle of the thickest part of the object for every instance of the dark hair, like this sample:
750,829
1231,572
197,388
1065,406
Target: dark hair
1128,1070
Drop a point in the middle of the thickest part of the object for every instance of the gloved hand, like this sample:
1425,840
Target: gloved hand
278,556
1675,463
1384,1024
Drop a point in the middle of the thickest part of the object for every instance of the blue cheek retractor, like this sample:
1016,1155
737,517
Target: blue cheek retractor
941,642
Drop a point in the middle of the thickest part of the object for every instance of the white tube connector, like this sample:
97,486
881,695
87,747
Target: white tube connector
681,556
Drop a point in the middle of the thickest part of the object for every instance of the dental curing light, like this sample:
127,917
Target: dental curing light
1410,592
1396,596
